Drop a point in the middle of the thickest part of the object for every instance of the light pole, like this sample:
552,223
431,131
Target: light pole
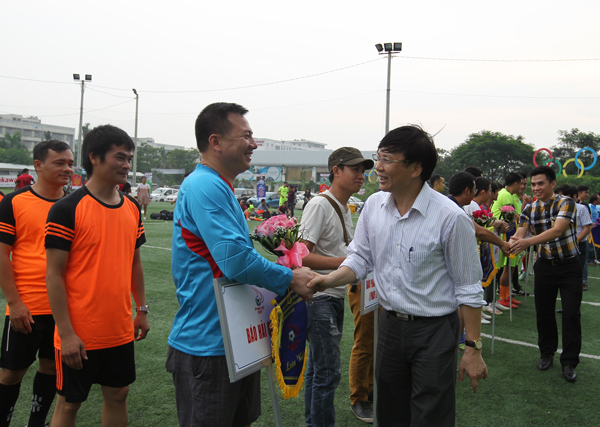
88,78
137,98
389,48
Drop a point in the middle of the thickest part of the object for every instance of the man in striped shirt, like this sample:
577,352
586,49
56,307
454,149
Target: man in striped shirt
422,249
552,219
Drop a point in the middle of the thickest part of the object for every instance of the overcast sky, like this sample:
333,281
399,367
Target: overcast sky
307,70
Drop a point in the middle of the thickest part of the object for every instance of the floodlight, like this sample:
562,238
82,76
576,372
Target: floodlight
388,47
379,47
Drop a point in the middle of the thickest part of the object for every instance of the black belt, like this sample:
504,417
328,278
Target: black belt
404,316
560,261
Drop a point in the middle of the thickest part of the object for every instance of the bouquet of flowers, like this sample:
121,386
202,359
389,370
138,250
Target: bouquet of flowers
289,317
483,217
280,236
507,213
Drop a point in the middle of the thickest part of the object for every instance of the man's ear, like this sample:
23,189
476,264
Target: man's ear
214,142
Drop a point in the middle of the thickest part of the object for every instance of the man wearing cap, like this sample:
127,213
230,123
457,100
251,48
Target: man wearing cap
327,229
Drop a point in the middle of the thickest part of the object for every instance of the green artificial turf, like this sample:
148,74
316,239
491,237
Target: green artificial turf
515,393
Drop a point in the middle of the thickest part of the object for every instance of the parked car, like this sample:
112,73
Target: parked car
171,198
353,200
243,193
160,194
271,198
300,200
355,204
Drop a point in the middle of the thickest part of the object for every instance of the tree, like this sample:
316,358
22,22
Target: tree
183,159
47,135
494,153
12,141
15,155
570,142
149,158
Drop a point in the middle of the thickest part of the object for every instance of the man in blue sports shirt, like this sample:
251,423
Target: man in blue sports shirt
211,240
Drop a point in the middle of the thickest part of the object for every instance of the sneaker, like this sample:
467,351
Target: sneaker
363,411
522,276
584,287
484,322
507,304
461,347
144,219
489,309
500,306
485,316
516,302
520,292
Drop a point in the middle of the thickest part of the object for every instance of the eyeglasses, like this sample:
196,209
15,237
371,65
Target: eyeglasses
387,161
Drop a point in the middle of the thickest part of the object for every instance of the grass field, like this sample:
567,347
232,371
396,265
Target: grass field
515,393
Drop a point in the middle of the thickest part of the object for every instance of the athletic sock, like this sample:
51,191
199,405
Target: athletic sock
8,398
44,389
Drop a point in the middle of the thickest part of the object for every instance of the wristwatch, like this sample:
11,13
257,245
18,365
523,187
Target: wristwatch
477,344
143,309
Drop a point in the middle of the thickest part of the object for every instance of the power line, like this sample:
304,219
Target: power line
496,60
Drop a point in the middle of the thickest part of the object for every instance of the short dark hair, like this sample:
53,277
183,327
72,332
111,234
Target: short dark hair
214,119
511,178
460,181
495,186
416,145
581,188
40,151
331,176
544,170
434,179
100,141
482,184
474,170
594,198
566,190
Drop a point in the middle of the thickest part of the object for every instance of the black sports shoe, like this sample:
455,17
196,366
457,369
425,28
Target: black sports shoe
363,411
520,292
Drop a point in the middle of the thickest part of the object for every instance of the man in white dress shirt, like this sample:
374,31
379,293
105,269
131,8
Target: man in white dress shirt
422,249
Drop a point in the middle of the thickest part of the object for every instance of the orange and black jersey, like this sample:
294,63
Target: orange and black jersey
23,216
101,240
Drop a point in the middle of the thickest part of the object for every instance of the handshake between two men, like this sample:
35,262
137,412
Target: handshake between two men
306,282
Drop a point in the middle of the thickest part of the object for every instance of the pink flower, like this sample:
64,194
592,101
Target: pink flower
507,208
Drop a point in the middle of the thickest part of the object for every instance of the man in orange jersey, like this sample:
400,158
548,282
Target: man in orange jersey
91,303
29,326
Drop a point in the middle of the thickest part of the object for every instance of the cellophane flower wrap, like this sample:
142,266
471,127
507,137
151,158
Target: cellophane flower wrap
289,317
483,217
507,213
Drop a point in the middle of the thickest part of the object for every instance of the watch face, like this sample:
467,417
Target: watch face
478,344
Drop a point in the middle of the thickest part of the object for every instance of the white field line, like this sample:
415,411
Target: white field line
526,344
156,247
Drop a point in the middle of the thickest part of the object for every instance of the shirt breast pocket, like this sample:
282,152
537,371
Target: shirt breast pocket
421,265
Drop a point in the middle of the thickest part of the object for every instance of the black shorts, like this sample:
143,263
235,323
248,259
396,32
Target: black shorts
111,367
205,396
19,350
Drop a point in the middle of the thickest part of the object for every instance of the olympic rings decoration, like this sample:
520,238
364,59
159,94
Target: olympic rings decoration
591,151
536,153
564,171
370,174
556,162
561,167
